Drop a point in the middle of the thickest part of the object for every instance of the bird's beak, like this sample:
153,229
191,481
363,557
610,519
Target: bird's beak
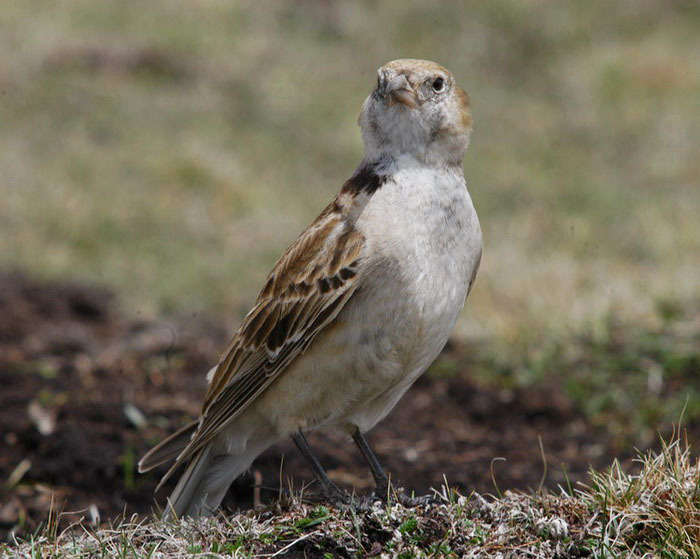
400,91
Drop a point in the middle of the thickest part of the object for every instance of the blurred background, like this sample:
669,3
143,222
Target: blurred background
156,158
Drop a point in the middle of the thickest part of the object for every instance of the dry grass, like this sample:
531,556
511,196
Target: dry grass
654,513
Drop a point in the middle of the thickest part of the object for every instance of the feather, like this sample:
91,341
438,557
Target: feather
168,449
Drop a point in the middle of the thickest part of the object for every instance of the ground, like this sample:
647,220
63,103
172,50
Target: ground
87,390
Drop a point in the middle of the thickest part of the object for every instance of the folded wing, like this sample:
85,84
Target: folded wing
305,291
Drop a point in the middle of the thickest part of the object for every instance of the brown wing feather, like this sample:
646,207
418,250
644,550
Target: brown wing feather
305,291
303,281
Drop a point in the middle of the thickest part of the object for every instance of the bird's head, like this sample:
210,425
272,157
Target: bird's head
416,109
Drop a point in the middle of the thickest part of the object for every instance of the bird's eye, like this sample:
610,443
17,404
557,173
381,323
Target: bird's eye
438,85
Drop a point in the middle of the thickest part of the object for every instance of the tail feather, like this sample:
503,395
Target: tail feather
168,449
182,500
204,483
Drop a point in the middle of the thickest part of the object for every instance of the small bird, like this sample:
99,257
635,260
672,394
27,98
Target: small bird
357,307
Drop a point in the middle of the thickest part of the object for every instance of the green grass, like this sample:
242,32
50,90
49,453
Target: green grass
172,151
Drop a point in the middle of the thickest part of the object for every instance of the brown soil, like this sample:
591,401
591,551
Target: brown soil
73,366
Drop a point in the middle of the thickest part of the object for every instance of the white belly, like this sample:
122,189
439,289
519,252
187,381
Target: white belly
427,246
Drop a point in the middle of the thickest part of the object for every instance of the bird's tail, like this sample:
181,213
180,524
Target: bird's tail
207,476
168,449
204,483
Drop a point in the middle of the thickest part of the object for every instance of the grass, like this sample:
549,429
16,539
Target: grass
653,513
173,151
656,512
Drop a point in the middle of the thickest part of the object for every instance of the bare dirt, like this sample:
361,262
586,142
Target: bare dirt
85,391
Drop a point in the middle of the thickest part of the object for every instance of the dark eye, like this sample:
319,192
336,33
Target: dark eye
438,85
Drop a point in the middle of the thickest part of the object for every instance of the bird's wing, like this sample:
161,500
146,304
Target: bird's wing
305,291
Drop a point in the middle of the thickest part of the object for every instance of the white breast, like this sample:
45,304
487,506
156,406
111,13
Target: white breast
424,242
422,247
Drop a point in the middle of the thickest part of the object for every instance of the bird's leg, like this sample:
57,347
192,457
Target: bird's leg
330,489
380,478
383,489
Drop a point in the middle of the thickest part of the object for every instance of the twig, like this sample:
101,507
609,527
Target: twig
286,547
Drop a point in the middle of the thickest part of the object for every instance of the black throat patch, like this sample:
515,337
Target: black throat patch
365,180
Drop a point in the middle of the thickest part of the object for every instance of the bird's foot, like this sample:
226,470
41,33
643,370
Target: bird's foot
331,495
421,501
338,498
388,494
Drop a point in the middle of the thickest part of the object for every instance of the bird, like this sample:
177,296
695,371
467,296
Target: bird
356,309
